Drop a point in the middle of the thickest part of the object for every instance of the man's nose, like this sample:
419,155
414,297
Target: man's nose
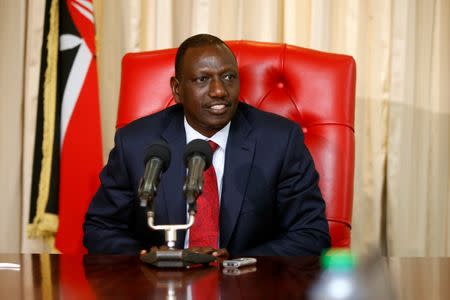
217,88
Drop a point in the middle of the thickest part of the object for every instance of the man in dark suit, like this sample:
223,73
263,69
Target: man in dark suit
270,202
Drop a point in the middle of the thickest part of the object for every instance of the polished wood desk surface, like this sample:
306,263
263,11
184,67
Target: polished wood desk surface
43,276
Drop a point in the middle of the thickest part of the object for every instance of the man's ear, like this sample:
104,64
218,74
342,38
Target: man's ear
175,86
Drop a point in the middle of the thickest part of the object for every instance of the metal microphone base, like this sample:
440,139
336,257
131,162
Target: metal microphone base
174,258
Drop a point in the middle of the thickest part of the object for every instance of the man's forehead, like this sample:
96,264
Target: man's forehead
209,50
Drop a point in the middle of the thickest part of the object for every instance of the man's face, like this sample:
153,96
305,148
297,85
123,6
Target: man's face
208,87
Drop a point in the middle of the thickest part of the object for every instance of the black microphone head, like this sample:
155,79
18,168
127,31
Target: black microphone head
161,150
199,147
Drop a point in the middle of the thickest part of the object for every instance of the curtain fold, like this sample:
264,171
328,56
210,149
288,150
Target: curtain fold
12,38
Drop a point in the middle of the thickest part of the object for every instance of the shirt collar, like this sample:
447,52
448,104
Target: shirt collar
220,137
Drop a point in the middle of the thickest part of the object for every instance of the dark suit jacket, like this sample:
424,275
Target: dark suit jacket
270,205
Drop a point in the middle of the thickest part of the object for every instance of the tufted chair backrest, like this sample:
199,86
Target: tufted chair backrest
314,89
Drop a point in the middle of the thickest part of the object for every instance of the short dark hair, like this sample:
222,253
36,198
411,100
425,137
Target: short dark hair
194,41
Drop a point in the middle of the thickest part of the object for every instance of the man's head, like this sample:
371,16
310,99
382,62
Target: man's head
206,82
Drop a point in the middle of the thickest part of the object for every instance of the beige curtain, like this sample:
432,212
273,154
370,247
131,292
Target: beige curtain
12,41
402,50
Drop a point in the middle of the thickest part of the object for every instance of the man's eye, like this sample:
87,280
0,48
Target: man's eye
201,79
229,76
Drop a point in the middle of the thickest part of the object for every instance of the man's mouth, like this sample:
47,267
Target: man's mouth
218,108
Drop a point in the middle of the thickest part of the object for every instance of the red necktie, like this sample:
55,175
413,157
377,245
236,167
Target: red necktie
205,230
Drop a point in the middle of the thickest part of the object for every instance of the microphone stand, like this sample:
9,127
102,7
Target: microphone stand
174,258
196,153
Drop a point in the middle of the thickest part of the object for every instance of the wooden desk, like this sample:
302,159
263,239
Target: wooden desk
126,277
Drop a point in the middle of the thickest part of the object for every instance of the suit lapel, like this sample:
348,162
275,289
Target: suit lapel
238,163
174,201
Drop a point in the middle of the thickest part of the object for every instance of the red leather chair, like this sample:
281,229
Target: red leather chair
312,88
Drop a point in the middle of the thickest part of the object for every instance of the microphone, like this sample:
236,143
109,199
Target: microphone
156,161
197,157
